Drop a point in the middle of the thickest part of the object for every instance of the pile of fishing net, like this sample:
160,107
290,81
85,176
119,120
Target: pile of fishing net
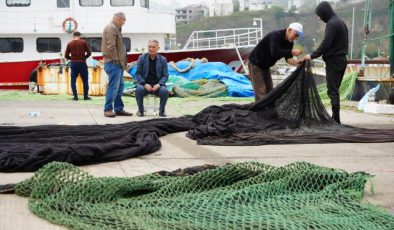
201,88
291,113
223,81
346,89
235,196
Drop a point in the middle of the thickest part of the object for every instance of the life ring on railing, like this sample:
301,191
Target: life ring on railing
70,25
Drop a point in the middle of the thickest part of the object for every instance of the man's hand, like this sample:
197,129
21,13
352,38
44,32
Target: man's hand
307,57
156,87
148,88
296,52
294,62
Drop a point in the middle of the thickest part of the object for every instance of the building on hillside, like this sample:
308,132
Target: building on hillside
299,3
340,2
221,7
191,13
252,5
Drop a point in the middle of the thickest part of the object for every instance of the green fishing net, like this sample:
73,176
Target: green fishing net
235,196
345,90
201,88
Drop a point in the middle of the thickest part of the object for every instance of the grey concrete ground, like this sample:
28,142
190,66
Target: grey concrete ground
178,151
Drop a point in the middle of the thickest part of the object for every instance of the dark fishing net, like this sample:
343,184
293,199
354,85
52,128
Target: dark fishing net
291,113
29,148
247,195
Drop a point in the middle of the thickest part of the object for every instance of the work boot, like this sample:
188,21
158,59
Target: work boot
75,98
335,114
109,113
87,98
140,114
123,113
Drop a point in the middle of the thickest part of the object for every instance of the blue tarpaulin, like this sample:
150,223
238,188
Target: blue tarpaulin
237,84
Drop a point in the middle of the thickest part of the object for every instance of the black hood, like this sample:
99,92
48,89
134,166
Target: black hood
324,11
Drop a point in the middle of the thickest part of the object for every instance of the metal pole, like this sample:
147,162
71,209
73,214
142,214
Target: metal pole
261,28
391,39
367,24
352,39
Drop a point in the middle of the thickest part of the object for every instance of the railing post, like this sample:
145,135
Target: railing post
248,37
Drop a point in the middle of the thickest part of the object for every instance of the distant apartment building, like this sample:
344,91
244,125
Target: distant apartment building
191,13
299,3
221,7
252,5
341,2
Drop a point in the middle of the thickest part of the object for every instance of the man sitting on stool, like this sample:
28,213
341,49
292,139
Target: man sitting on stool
152,75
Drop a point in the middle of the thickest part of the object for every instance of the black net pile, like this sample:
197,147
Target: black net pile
26,149
247,195
292,113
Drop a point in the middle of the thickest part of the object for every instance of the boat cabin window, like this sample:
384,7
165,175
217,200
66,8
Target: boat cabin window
63,3
90,2
11,45
94,44
144,3
122,2
17,3
48,45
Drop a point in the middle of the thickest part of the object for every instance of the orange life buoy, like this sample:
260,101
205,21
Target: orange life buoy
69,25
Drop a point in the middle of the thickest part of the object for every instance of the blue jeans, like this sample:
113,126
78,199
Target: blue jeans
113,99
140,93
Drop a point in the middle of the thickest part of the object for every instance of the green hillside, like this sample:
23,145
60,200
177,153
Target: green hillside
277,18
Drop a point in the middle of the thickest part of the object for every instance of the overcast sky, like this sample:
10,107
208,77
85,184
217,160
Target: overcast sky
172,4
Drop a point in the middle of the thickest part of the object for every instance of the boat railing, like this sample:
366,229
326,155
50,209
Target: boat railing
208,39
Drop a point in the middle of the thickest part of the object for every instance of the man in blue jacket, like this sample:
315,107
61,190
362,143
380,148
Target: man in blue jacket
152,75
334,49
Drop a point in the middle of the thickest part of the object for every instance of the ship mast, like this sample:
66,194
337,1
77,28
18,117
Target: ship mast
367,24
391,34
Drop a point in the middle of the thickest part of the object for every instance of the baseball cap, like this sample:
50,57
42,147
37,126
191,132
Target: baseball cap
298,28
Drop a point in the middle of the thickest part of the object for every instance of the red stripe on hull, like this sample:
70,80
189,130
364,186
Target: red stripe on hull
19,72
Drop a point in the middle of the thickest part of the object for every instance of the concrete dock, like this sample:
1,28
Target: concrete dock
177,151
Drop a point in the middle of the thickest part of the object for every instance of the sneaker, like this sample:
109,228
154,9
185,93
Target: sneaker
162,114
75,99
123,113
109,114
140,114
87,98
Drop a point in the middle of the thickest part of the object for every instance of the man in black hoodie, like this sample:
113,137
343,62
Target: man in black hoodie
334,49
274,46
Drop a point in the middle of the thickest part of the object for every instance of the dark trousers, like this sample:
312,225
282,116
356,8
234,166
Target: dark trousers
261,81
335,69
140,93
82,69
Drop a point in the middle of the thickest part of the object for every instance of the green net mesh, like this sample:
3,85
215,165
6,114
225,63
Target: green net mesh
201,88
236,196
345,90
